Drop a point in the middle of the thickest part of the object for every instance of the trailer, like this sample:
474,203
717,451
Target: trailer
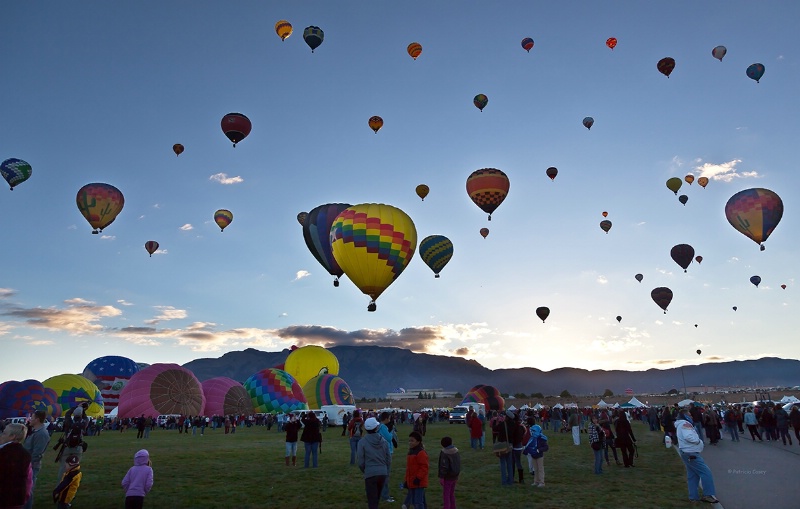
336,413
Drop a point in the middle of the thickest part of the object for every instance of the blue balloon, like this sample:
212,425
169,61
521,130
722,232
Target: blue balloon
755,280
313,37
317,233
755,71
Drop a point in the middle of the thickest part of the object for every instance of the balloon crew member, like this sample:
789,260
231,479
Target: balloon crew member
68,487
416,479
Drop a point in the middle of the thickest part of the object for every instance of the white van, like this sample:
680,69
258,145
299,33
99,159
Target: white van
336,413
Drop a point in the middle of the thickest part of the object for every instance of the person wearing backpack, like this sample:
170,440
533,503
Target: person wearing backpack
449,470
355,429
535,448
71,443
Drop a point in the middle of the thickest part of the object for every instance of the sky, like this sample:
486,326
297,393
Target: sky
95,92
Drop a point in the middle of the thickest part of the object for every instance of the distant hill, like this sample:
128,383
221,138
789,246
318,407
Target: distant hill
372,371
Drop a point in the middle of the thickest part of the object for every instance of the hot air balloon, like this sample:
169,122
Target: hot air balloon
756,280
306,362
236,127
735,308
375,123
275,391
225,396
284,29
223,218
783,287
605,225
487,188
301,218
414,50
662,296
373,244
484,232
178,149
552,172
755,213
588,122
755,72
99,204
15,171
110,374
674,184
161,389
699,351
20,399
436,251
72,390
527,44
313,37
639,277
683,255
689,179
543,313
480,101
151,246
422,191
605,214
611,42
698,258
619,319
719,52
317,234
703,181
665,66
327,390
486,394
683,199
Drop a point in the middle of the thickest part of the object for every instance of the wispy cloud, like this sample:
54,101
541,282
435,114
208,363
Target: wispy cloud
123,302
6,293
602,279
167,313
187,227
108,237
301,274
79,317
725,172
224,179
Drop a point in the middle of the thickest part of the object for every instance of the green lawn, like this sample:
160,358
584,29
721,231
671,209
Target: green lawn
246,470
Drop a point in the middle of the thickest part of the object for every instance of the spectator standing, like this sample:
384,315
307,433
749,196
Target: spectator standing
68,487
311,438
355,430
373,460
138,480
386,433
449,470
36,444
16,476
292,429
625,439
596,438
416,478
690,447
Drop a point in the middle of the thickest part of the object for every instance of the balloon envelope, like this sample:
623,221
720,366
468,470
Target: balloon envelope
223,218
487,188
674,184
15,171
703,181
755,213
683,255
375,123
588,122
719,52
756,280
100,204
698,258
309,361
317,234
683,199
552,172
72,390
20,399
275,391
639,277
110,374
689,179
436,251
699,352
619,319
605,225
161,389
151,246
543,313
283,28
236,127
422,191
480,101
486,394
313,37
225,396
662,296
611,42
755,72
527,44
178,149
414,50
484,232
373,243
666,66
327,390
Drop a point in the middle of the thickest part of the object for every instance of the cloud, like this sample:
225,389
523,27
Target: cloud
124,302
602,279
80,317
725,172
187,227
167,313
108,237
160,252
300,275
283,315
6,293
462,351
664,361
41,342
156,206
715,358
223,178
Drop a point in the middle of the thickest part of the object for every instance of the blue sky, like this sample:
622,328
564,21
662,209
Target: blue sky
100,93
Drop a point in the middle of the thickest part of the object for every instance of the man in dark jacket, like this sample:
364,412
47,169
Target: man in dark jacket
311,437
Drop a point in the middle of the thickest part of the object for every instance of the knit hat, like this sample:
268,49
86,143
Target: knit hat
416,435
447,441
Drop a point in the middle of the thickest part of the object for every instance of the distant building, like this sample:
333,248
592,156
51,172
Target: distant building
414,394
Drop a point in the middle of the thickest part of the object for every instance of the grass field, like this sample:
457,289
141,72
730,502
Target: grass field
246,470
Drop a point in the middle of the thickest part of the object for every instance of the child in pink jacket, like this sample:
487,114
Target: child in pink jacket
138,481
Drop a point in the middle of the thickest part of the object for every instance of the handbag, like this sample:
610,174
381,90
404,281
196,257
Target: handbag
502,448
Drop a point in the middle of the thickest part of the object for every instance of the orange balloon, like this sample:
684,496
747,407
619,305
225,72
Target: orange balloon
422,191
414,50
611,42
703,181
689,179
605,214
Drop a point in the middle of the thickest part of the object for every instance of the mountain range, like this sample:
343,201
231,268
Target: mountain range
372,371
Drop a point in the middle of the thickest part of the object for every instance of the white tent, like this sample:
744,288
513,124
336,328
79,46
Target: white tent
524,407
790,399
512,408
635,402
558,405
537,406
602,404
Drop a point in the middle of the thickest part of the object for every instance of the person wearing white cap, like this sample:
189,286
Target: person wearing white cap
373,459
690,447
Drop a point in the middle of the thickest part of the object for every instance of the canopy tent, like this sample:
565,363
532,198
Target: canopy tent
537,406
558,405
524,407
635,402
790,399
627,405
602,404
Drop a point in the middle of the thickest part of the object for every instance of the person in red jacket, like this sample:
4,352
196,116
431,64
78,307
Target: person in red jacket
416,479
475,424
